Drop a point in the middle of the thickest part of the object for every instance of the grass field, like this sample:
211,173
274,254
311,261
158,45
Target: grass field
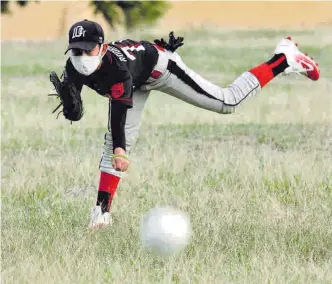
257,184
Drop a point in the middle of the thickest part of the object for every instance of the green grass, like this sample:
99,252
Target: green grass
257,184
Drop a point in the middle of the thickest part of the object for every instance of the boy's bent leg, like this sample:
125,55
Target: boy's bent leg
109,177
185,84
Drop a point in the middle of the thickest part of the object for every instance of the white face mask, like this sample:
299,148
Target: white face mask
85,64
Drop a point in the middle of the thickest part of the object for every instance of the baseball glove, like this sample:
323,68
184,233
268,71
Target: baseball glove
70,98
172,44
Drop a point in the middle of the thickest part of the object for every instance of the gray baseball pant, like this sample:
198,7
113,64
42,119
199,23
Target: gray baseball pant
183,83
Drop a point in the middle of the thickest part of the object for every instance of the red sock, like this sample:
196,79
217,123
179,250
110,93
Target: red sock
107,187
267,71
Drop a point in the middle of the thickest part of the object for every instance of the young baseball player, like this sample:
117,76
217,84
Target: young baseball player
126,71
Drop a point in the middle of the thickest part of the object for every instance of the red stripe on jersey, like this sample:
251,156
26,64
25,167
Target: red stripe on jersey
158,47
117,90
129,45
123,99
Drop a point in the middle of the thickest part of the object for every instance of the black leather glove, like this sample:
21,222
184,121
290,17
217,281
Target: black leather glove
172,44
70,98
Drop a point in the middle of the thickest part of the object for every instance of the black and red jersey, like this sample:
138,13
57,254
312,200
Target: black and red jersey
126,65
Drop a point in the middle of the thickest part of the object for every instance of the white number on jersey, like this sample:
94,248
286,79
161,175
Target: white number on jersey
127,49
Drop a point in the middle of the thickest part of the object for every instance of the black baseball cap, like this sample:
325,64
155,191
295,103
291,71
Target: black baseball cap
85,35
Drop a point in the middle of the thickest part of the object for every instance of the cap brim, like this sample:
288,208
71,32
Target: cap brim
84,45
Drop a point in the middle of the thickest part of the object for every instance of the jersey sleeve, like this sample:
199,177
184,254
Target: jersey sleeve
121,100
118,121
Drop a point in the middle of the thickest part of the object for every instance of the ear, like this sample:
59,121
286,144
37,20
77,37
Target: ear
104,48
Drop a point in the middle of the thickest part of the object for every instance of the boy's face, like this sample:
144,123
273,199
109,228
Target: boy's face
88,61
